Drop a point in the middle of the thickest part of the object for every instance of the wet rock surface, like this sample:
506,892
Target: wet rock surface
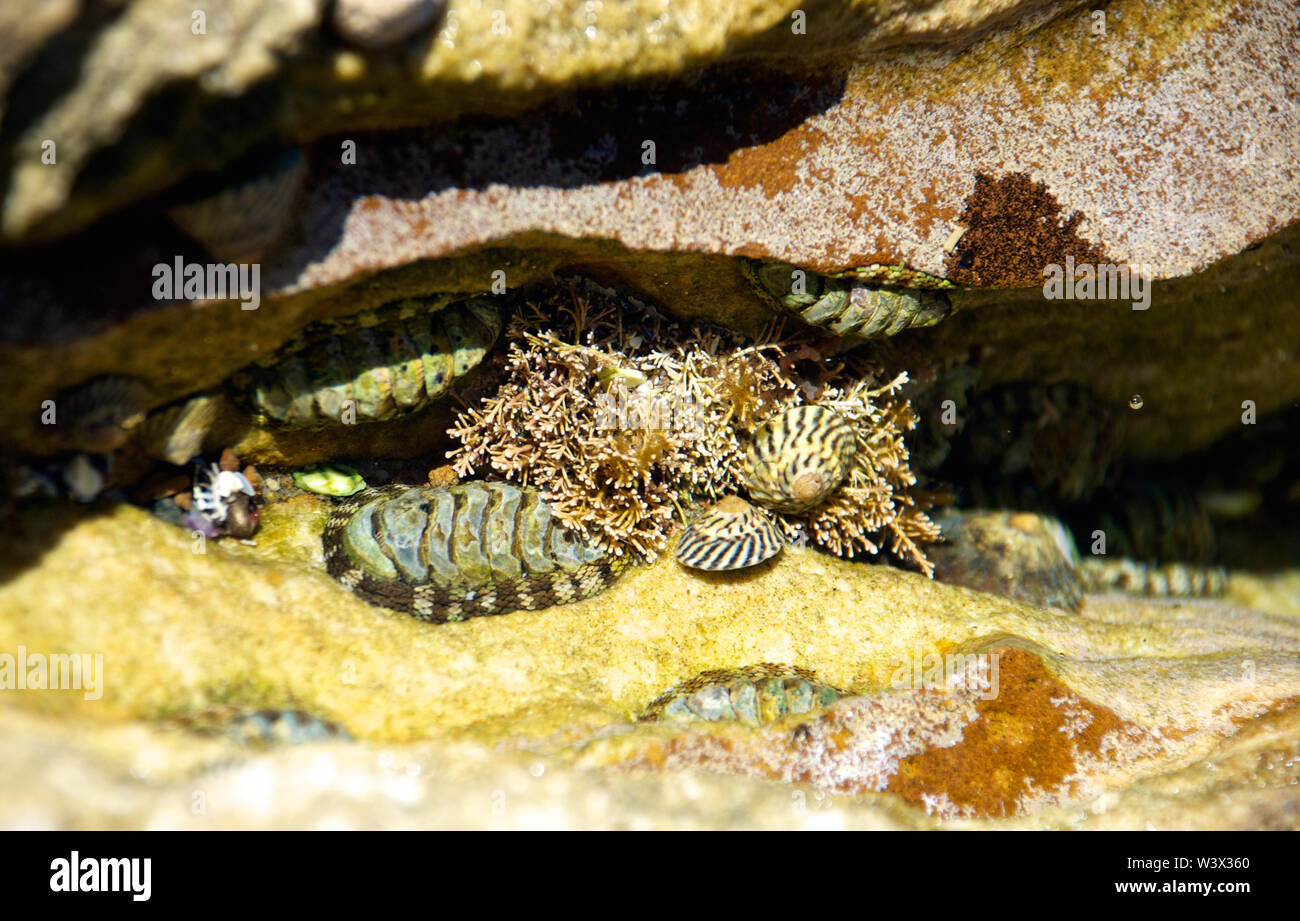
1094,716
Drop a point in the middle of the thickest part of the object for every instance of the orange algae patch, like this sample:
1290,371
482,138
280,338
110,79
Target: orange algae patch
1030,735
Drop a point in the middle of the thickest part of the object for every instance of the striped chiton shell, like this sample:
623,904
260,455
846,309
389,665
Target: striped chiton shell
756,695
1168,581
731,535
798,458
447,554
403,362
847,308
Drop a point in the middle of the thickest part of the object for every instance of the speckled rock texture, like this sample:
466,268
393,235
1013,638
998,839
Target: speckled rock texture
251,70
1092,719
873,162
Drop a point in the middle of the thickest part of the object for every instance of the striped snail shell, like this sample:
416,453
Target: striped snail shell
798,458
731,535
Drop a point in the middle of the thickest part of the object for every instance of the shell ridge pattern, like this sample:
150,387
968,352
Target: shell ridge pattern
384,366
754,694
464,551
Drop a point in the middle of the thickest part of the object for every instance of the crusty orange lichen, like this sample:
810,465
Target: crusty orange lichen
627,421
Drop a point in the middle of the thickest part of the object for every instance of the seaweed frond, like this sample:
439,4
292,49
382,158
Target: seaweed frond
626,421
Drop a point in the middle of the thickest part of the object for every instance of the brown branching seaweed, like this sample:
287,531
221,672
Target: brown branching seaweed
626,422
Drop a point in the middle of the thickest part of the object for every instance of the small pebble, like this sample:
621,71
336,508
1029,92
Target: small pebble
254,478
379,23
228,460
443,476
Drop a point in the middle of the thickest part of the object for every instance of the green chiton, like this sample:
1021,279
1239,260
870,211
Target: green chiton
450,553
852,309
757,695
394,361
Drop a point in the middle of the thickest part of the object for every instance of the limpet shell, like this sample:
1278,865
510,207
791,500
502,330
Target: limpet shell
731,535
798,458
1020,555
98,415
756,695
476,549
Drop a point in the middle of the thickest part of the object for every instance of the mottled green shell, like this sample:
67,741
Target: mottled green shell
447,554
756,695
854,310
388,369
731,535
798,458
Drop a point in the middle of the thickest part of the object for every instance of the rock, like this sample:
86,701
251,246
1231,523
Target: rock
251,72
1198,691
378,23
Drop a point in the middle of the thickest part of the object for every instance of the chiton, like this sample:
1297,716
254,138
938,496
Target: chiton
408,355
1170,580
848,308
755,694
261,728
450,553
